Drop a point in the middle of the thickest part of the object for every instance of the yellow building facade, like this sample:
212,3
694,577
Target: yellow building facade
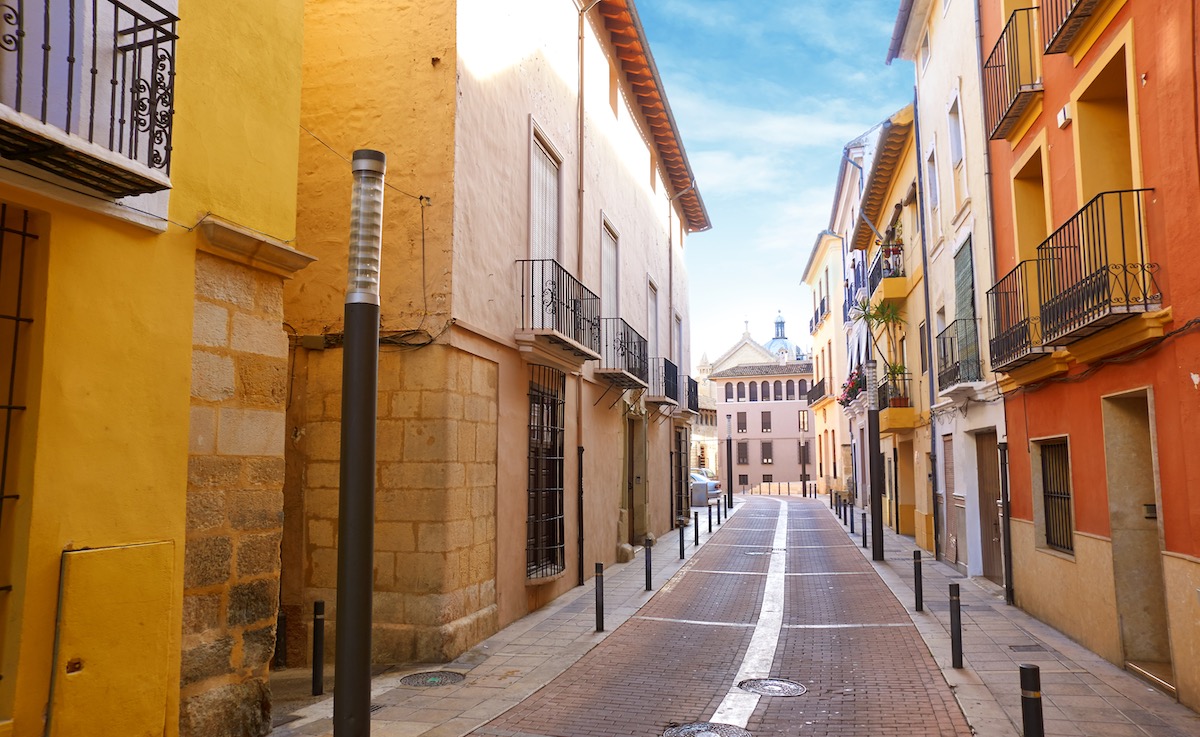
142,254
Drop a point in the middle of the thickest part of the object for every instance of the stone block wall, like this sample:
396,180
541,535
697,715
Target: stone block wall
234,499
435,506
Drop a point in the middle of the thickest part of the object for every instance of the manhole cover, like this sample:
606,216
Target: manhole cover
1027,648
772,687
432,678
706,729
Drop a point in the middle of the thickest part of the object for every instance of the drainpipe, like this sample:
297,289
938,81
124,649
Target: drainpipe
1010,596
583,10
929,349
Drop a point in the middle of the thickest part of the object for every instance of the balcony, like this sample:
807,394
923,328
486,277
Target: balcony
1014,310
87,91
560,318
887,271
623,360
1012,76
896,411
689,395
664,383
817,392
1063,20
958,360
1092,271
818,318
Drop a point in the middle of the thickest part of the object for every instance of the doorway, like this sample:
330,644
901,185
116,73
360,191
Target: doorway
987,461
635,481
1131,472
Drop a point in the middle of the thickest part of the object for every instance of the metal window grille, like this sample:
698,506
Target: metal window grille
1056,495
768,478
743,453
743,479
16,263
545,544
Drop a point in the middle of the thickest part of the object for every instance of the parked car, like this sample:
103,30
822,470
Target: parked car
705,490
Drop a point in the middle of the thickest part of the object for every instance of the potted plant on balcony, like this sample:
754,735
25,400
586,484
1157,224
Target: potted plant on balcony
855,383
898,392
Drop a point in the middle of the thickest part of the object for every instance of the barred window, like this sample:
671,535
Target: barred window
1056,494
743,479
545,544
768,478
743,452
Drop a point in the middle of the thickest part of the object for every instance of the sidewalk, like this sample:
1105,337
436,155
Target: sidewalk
514,663
1082,694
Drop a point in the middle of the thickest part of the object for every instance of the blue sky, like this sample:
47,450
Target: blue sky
766,93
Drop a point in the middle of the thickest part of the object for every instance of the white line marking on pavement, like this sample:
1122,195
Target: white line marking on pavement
843,626
696,621
763,573
738,705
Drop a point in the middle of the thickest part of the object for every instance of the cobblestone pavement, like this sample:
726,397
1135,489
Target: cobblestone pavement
759,598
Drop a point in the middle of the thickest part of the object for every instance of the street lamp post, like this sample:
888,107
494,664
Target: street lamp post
729,460
356,496
875,460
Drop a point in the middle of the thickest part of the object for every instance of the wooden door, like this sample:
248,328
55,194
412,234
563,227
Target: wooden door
988,462
948,496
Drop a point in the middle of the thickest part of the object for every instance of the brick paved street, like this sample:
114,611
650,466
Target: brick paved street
843,636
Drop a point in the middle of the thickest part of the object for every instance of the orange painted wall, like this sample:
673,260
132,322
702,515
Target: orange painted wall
1163,95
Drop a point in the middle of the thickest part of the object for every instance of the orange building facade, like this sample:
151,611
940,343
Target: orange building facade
1091,108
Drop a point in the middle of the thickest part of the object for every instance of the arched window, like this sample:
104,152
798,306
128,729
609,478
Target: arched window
753,392
803,386
766,391
729,391
741,391
791,389
778,391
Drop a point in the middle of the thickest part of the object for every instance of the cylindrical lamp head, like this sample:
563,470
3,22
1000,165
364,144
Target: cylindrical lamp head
872,381
366,226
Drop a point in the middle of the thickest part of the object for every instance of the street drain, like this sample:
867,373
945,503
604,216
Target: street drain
1027,648
706,729
377,707
773,687
432,678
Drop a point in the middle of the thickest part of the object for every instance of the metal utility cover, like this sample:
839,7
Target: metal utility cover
773,687
706,729
432,678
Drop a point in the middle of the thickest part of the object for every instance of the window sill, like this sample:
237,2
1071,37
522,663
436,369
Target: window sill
1054,553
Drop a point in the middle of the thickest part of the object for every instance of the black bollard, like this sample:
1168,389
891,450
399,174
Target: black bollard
318,654
681,540
649,587
696,528
955,628
918,584
864,528
710,519
719,502
599,597
1031,701
850,514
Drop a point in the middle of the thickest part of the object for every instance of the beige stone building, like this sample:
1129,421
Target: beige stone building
533,420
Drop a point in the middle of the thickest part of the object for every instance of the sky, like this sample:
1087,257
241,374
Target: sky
765,94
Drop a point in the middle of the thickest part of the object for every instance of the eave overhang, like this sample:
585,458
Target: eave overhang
893,141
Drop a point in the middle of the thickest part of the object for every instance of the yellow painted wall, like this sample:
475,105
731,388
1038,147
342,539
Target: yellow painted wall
1182,578
107,426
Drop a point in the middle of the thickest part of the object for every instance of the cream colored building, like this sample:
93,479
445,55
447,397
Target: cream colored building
532,418
968,408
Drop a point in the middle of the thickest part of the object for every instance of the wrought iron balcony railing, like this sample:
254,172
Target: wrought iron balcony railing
664,381
623,358
693,394
1093,271
818,318
958,354
1012,76
895,390
817,392
1062,21
552,300
875,275
1014,309
87,91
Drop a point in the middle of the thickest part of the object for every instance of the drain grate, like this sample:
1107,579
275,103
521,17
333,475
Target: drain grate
773,687
1027,648
432,678
706,729
377,707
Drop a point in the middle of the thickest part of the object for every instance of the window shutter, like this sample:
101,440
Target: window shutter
544,212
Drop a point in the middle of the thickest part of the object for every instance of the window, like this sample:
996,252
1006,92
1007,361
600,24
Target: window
766,392
729,392
957,162
741,421
778,391
803,414
767,452
743,479
923,54
545,540
741,392
652,321
743,453
931,192
791,389
803,386
753,391
766,422
1056,494
768,478
923,336
833,451
545,205
608,272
